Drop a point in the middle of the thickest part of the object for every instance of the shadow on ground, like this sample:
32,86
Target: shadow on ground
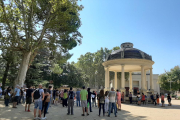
150,105
59,113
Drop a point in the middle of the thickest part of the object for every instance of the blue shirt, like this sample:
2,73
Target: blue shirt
17,90
0,91
78,95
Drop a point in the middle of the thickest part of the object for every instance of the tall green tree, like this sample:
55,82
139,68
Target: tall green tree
172,75
31,25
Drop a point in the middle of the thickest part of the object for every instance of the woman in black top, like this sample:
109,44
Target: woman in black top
169,99
45,102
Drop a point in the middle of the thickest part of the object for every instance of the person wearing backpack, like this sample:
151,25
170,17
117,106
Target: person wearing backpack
7,96
38,96
70,101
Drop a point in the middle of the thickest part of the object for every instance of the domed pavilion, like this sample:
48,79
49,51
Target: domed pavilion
129,59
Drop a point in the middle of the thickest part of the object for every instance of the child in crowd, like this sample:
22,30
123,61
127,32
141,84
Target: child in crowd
56,98
162,100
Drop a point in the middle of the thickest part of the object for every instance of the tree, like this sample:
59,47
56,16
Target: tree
31,25
172,75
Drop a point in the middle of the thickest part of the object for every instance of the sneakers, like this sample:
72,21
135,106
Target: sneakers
28,111
36,118
44,118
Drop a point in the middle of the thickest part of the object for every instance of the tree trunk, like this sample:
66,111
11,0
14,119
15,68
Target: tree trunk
5,75
23,69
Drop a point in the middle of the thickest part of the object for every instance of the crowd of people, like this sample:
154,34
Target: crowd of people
107,101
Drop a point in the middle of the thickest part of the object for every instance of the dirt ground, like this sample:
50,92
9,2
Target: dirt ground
128,112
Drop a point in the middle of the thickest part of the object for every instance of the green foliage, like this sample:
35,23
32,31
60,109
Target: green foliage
172,75
27,26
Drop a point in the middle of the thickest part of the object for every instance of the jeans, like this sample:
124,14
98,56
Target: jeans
154,101
106,107
6,102
101,105
113,106
78,101
23,98
38,104
70,106
130,99
48,105
89,101
94,102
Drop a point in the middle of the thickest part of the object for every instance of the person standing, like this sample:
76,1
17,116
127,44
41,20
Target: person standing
130,97
78,97
93,95
65,97
49,91
56,98
0,91
29,92
157,97
84,97
143,98
7,96
61,96
112,104
119,99
89,99
154,97
16,96
169,99
122,96
101,102
106,101
21,95
46,100
162,100
70,101
38,96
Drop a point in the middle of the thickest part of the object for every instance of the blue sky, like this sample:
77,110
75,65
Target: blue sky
153,26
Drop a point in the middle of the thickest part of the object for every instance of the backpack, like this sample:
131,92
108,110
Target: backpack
37,94
71,95
6,96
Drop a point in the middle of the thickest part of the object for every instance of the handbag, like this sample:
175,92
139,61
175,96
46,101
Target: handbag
48,99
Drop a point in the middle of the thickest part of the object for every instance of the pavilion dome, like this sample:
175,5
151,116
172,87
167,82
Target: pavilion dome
127,51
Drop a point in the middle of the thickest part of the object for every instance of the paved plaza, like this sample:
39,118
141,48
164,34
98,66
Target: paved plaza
129,112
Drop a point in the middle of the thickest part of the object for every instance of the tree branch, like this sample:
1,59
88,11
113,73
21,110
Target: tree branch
44,29
7,21
24,19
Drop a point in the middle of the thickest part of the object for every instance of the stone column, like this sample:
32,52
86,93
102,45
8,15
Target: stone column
143,89
151,81
130,83
122,77
145,78
106,78
115,80
123,81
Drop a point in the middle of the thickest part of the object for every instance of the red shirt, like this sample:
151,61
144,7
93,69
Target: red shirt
143,97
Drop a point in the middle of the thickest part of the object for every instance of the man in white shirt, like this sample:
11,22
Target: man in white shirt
112,101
